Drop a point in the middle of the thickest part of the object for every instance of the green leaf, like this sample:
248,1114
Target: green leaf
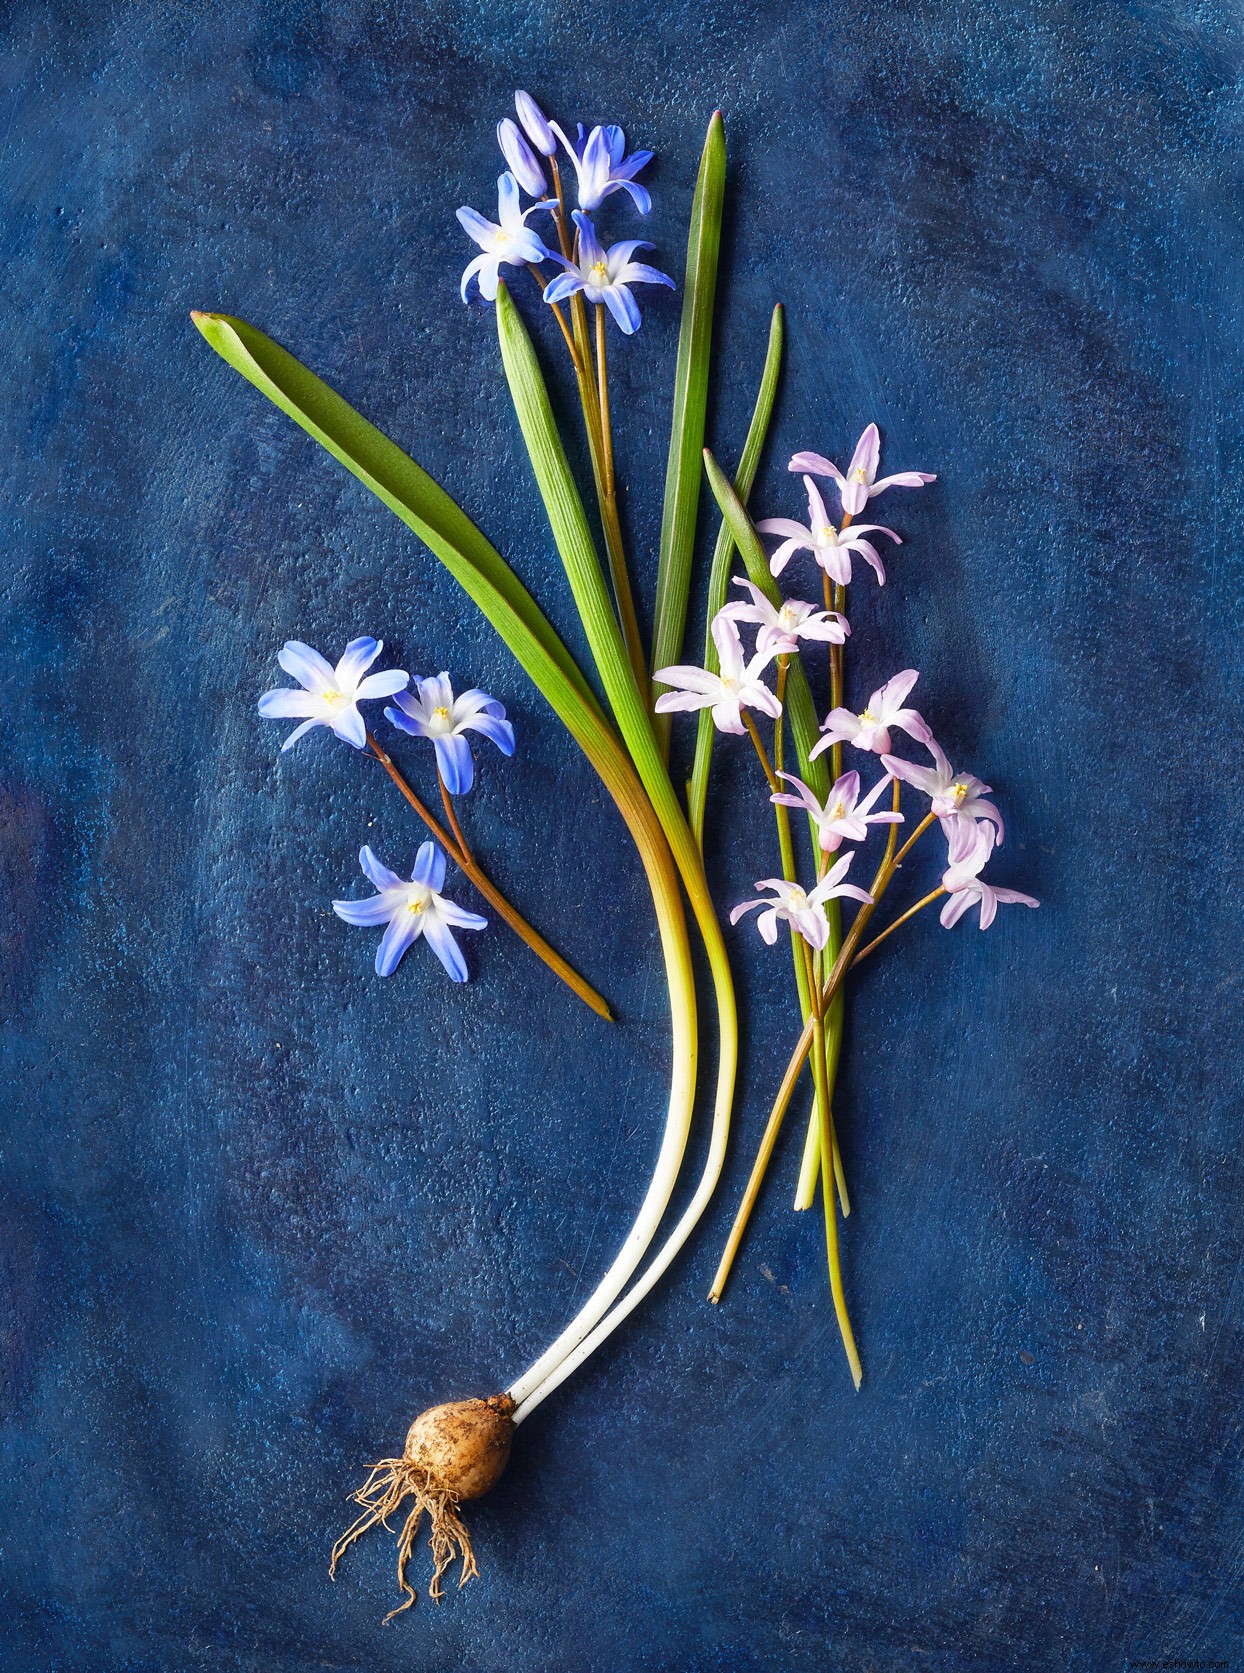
573,536
427,509
800,709
682,477
719,575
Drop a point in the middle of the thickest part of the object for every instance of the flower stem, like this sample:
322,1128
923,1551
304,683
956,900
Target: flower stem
805,1192
452,817
468,864
911,911
827,1169
750,724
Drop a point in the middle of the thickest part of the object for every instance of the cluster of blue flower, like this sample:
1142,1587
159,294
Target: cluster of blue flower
329,696
602,168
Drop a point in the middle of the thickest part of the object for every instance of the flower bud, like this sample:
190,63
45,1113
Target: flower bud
521,159
535,123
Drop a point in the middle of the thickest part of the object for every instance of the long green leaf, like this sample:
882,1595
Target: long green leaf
682,476
573,536
427,509
719,574
799,705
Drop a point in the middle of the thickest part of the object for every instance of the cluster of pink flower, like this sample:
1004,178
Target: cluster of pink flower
972,826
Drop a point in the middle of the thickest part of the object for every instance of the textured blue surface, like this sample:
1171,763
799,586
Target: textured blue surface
259,1207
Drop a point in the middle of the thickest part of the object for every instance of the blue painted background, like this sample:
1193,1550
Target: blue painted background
260,1208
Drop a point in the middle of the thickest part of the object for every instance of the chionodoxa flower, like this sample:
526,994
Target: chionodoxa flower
330,696
958,799
432,711
842,817
783,625
970,848
508,239
411,910
870,729
738,686
860,483
829,545
803,910
604,275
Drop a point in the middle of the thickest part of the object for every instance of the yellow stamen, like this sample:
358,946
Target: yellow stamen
440,712
416,906
599,270
866,716
332,696
960,792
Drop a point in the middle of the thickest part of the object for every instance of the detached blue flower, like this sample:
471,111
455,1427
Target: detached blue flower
604,276
330,696
512,241
603,168
411,910
519,155
535,123
432,711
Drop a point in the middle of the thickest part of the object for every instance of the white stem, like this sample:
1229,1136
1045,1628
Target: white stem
810,1167
571,1362
681,981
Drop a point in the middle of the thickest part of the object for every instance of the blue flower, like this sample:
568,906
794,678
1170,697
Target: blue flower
330,696
411,910
603,168
512,241
432,711
604,276
535,123
519,155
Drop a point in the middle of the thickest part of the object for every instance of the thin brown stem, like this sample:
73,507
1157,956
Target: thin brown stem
761,751
602,384
452,817
470,866
934,894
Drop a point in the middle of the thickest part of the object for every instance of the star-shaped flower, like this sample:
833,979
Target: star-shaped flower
803,910
508,239
330,696
737,687
860,483
411,910
830,546
842,816
965,888
783,626
957,799
432,711
870,729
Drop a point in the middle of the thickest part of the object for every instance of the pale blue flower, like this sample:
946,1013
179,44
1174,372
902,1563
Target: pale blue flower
535,123
603,168
603,276
411,910
330,696
510,241
432,711
519,155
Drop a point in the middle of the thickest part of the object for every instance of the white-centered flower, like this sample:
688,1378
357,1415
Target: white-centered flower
970,848
957,799
830,545
843,816
860,484
432,711
508,239
803,910
870,729
736,687
330,696
783,625
410,911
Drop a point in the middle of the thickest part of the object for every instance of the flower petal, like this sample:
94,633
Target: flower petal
378,875
356,659
289,703
298,731
439,937
430,867
453,757
387,684
404,928
365,914
307,666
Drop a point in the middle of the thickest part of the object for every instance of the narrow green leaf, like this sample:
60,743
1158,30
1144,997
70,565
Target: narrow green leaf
719,575
573,536
800,708
682,476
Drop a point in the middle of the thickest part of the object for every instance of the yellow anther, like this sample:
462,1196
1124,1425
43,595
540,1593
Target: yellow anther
960,792
440,712
332,696
866,716
599,270
416,906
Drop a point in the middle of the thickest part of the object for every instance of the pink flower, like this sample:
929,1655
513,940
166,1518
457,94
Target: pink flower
736,687
870,729
860,483
957,798
803,911
969,850
783,626
831,547
844,816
